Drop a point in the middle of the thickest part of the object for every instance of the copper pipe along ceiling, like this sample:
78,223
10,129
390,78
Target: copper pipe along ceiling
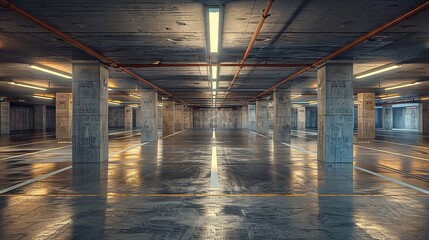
9,5
276,65
250,46
419,8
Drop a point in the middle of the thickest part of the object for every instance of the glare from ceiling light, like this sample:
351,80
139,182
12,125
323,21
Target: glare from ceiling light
424,98
295,96
26,86
312,102
402,86
43,97
390,97
359,76
214,20
214,72
115,102
134,96
355,102
214,84
50,71
214,92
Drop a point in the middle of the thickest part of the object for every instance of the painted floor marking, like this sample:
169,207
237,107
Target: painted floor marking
44,176
302,150
174,133
214,175
393,180
41,177
376,174
32,153
394,153
402,144
259,134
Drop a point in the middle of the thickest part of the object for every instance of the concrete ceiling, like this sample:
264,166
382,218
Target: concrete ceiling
297,31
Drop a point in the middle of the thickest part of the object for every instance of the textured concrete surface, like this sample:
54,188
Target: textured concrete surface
4,118
149,116
90,112
251,117
300,118
335,113
366,116
168,117
64,115
215,118
39,117
116,116
128,118
267,190
387,117
262,117
138,117
282,114
244,117
424,118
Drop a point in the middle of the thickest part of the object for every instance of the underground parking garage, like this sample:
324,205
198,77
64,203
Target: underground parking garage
300,119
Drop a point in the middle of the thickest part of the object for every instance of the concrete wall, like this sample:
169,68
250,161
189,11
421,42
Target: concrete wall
406,117
213,117
116,117
311,117
379,118
293,118
21,118
50,118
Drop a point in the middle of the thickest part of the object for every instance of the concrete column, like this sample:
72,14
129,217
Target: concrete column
244,118
179,118
128,118
262,117
294,118
300,118
239,118
388,117
64,113
251,114
90,112
4,118
282,116
168,117
335,113
191,117
366,116
149,116
39,117
424,118
138,117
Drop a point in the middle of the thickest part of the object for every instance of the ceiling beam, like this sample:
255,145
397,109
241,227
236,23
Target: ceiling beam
108,61
393,22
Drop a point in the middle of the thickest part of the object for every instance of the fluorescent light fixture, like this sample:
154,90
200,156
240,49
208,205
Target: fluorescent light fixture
43,97
115,102
214,84
214,97
402,86
26,86
355,102
359,76
214,92
214,72
312,102
295,96
50,71
424,98
214,22
134,95
109,89
390,97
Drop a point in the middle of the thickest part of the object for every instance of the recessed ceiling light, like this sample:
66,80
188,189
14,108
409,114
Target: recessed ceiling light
214,22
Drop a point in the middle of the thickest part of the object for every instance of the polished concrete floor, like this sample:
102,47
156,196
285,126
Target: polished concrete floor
223,184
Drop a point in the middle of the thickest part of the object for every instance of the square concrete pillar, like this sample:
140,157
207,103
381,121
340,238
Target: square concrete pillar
335,113
191,117
138,117
179,118
39,117
4,118
168,117
149,116
128,118
424,118
90,112
366,116
251,114
300,118
64,116
282,116
387,117
244,118
262,117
